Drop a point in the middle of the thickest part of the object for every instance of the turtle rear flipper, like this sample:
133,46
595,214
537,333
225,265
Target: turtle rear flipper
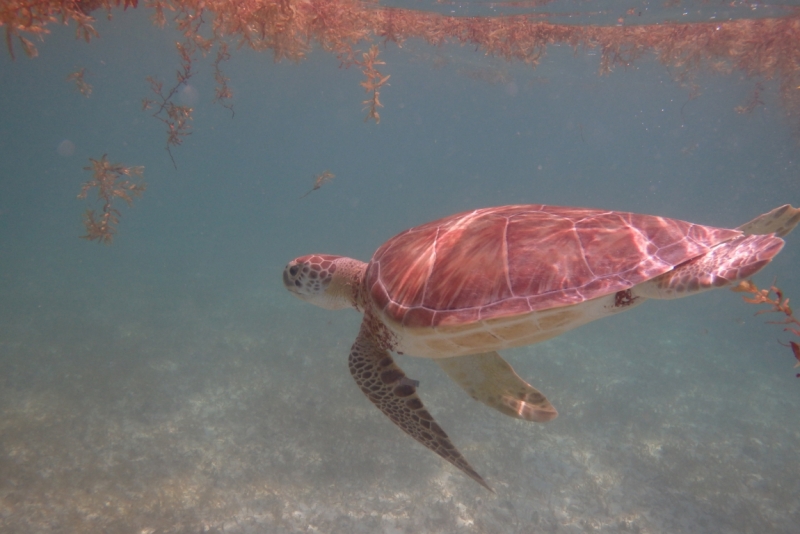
779,221
488,378
725,264
387,386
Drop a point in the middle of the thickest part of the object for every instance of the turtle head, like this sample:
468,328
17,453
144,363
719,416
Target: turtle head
330,282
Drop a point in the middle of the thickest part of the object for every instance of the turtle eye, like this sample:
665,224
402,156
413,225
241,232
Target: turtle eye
294,269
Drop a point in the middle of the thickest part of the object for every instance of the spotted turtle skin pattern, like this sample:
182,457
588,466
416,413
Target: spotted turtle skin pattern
388,388
311,275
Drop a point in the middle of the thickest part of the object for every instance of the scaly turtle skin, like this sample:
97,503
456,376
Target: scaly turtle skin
460,288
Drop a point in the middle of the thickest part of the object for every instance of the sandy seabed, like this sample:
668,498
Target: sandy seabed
209,413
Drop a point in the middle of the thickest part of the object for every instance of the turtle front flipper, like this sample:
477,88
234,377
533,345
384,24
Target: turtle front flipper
489,379
387,386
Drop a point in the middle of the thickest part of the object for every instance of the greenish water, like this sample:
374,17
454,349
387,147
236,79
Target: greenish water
168,383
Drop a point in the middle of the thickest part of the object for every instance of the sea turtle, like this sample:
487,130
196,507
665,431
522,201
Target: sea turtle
460,288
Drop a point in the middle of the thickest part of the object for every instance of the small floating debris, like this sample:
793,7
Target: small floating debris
319,181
